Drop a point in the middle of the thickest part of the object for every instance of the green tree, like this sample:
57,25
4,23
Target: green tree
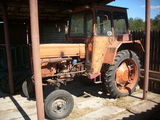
155,23
136,24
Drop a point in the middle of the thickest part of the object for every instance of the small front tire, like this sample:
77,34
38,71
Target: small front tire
58,104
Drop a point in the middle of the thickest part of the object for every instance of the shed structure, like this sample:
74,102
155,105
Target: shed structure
21,29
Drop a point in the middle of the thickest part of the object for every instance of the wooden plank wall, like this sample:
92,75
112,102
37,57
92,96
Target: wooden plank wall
155,48
154,83
51,32
1,34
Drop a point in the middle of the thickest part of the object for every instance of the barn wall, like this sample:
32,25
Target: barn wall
19,53
52,33
18,33
1,34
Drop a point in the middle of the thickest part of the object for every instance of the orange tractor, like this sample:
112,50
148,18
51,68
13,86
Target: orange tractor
100,49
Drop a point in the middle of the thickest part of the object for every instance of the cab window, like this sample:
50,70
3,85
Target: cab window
103,23
81,24
120,23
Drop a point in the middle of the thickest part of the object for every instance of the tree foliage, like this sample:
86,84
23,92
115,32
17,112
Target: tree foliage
136,24
156,23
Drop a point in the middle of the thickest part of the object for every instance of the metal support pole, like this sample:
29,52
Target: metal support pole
36,58
147,51
7,44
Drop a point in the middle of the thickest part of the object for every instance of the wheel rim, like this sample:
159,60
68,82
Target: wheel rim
59,105
126,75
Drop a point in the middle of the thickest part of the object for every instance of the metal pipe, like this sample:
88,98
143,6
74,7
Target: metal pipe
147,51
36,58
8,52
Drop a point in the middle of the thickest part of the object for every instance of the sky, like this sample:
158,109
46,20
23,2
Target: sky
136,8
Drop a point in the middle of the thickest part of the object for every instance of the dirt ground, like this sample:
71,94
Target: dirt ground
90,104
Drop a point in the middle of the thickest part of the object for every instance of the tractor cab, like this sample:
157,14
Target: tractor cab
100,28
106,21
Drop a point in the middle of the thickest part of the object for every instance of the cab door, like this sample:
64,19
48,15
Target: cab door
102,38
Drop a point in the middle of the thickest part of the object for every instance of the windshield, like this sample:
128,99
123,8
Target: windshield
81,24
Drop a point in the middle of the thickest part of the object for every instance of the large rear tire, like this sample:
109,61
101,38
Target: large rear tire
121,78
58,104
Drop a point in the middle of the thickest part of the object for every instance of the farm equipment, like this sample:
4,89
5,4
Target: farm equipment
100,48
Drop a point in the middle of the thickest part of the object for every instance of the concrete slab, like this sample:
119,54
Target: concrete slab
92,102
101,113
143,107
120,116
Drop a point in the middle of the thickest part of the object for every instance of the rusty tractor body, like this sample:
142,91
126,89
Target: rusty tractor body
96,34
100,48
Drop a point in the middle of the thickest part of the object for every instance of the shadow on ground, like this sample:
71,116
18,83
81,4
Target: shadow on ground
78,89
152,114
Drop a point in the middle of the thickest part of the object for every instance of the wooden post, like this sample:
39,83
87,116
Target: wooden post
36,58
7,44
147,51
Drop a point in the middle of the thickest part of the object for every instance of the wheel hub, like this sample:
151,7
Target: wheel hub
126,75
59,105
122,73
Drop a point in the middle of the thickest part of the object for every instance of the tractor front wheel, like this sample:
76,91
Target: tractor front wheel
122,77
58,104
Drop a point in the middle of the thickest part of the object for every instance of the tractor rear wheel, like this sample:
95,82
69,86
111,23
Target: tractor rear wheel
122,77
